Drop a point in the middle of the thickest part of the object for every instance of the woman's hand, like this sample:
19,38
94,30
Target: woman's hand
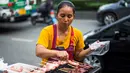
96,45
62,55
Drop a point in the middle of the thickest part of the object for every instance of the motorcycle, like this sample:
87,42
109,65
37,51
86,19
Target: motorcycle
44,14
40,18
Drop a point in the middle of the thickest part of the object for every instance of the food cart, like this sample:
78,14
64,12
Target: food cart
26,68
56,66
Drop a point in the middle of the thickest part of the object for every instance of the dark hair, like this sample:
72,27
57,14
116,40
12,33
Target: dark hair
65,3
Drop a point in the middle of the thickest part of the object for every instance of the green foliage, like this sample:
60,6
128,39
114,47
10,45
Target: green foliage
3,4
88,4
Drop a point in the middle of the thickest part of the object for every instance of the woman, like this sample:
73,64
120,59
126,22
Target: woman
62,40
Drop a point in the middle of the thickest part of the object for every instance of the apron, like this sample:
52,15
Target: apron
70,48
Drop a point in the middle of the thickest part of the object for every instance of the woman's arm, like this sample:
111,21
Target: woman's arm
91,48
43,52
79,56
80,53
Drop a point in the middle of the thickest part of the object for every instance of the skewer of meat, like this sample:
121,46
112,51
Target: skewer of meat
51,65
74,63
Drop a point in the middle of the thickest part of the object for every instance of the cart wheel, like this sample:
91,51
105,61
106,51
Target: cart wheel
95,61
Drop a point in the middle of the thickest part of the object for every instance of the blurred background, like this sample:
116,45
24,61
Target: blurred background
20,28
22,20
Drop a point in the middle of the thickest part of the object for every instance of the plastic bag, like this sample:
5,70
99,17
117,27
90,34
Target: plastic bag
103,49
3,65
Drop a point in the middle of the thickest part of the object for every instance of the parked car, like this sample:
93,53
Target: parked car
109,13
5,12
117,58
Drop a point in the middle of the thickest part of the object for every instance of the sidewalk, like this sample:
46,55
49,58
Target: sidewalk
86,15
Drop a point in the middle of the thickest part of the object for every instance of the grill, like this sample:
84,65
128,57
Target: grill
58,70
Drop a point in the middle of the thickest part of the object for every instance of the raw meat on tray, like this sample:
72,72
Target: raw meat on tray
81,68
76,67
48,67
23,68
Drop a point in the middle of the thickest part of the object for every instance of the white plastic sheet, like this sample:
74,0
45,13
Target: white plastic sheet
3,65
103,49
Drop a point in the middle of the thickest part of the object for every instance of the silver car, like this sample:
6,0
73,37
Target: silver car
5,12
109,13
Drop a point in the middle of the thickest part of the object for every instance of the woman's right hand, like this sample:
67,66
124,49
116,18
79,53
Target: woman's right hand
62,55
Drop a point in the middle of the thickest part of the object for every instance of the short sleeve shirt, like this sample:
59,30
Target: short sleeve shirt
46,38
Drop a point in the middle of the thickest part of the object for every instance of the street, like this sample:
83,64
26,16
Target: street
18,40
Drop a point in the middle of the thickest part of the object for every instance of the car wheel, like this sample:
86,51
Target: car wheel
4,16
109,18
95,61
33,21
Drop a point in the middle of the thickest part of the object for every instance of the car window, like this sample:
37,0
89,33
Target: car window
127,23
110,32
97,30
128,1
5,7
125,27
122,25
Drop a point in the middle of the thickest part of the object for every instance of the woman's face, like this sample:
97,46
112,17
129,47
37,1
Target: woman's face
65,16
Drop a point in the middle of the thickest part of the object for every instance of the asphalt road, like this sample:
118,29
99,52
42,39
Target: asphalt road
17,40
85,15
